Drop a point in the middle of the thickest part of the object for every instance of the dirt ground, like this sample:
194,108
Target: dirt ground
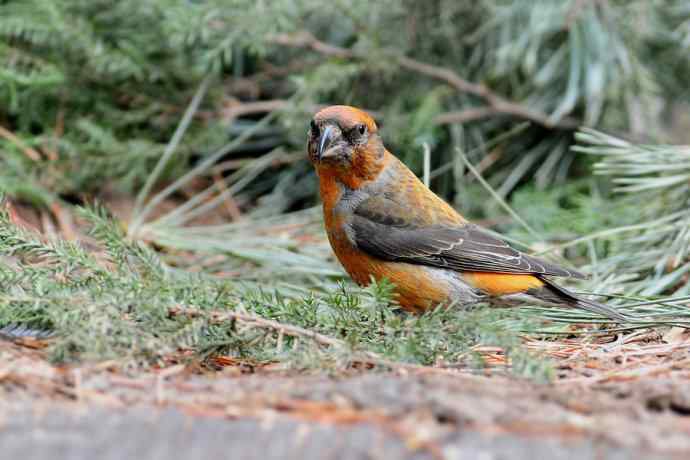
416,412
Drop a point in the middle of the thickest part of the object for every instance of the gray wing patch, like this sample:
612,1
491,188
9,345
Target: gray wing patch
461,248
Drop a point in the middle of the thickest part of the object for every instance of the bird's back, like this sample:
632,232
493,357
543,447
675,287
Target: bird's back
397,184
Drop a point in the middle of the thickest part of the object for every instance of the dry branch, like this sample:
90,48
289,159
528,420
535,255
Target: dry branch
257,321
252,108
11,137
497,105
283,329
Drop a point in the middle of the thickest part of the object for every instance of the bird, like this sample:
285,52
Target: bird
382,222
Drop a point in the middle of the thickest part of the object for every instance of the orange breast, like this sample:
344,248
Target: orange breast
415,288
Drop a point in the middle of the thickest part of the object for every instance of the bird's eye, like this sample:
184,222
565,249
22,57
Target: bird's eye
362,129
314,129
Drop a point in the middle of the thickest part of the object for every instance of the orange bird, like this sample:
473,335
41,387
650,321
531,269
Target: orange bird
383,222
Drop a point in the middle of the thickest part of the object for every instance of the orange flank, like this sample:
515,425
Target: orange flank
416,289
496,284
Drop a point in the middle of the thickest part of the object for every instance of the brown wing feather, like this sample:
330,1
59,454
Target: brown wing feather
458,247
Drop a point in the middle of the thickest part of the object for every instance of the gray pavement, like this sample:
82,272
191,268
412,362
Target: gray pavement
71,431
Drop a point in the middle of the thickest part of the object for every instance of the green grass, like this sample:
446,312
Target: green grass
288,302
124,304
89,100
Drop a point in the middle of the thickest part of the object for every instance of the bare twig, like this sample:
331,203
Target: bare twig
141,211
228,201
285,329
251,108
65,221
237,163
497,105
497,197
297,331
28,151
305,39
51,147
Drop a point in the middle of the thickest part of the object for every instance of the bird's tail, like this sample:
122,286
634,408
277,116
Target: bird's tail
551,292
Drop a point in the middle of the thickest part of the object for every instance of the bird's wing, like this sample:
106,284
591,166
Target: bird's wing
396,236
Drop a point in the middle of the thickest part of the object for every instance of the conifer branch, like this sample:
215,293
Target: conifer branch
497,105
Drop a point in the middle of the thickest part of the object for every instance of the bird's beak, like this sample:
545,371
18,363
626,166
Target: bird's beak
328,137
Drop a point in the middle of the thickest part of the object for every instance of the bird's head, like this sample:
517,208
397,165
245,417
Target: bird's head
344,141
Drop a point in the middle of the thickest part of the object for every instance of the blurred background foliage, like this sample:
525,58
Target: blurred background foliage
92,94
96,88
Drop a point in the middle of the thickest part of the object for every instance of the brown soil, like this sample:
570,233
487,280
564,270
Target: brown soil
639,411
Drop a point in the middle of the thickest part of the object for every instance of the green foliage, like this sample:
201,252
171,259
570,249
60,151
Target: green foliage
98,86
92,94
111,77
125,304
654,183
